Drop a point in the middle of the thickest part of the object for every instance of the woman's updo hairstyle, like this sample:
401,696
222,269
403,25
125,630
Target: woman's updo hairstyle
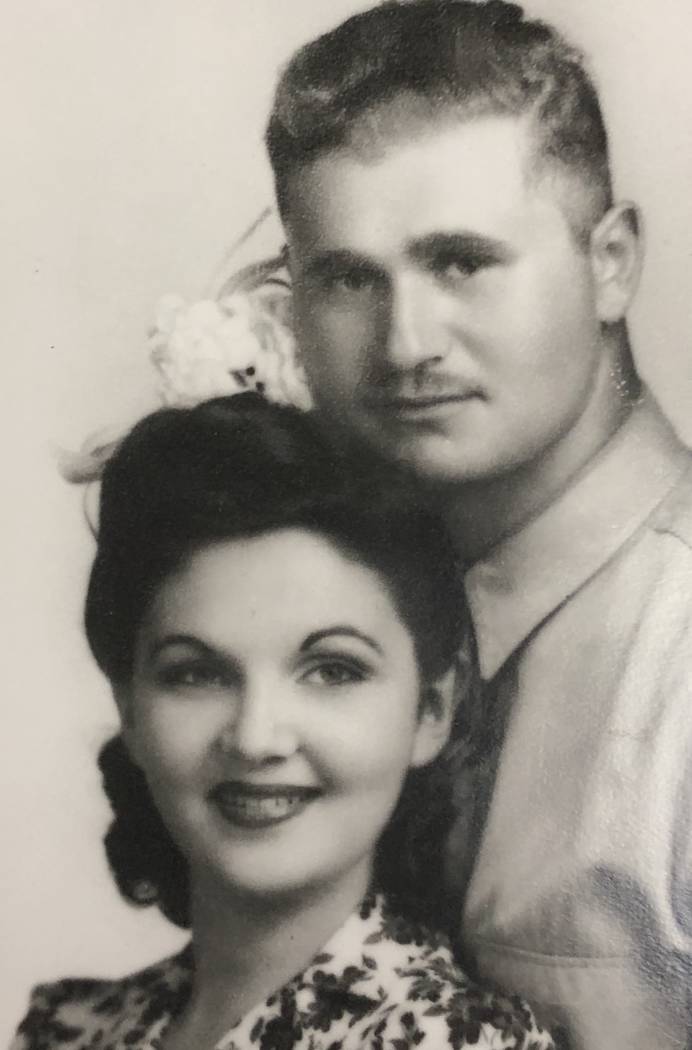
239,466
230,468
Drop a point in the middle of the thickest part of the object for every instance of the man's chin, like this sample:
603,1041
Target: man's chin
433,459
433,456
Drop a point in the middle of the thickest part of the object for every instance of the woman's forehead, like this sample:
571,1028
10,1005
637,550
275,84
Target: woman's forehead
282,585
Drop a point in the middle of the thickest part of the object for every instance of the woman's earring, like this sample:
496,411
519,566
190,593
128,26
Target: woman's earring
431,702
145,892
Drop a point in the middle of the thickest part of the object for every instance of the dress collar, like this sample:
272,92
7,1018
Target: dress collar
528,575
351,974
376,939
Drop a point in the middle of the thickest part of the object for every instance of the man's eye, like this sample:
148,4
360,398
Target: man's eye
349,281
458,267
333,673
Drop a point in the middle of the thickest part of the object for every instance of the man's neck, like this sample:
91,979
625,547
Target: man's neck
482,513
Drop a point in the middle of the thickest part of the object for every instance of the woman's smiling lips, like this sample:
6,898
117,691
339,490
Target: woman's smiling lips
249,805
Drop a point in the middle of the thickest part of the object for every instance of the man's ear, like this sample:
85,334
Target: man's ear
616,250
435,717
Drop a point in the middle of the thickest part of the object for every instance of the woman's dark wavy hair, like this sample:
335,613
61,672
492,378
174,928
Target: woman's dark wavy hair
237,467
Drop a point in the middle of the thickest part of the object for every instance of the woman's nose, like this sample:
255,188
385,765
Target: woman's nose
258,729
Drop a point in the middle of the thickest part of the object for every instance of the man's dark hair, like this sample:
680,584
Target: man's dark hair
236,467
444,60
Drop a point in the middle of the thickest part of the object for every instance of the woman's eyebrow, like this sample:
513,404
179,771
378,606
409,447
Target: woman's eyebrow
341,629
171,640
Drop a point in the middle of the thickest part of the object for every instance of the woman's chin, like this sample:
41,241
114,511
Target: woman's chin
277,887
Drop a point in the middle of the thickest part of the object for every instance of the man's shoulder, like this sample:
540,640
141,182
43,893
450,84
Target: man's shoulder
673,517
650,580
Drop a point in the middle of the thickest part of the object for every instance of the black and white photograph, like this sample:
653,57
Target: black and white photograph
348,583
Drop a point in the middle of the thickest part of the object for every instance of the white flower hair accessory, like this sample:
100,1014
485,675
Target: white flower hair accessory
238,340
241,340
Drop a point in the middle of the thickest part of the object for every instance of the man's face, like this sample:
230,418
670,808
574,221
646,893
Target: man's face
443,307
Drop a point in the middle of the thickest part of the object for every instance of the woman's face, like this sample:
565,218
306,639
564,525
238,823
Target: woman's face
274,709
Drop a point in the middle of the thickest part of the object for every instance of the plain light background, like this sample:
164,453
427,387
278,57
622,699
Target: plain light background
132,158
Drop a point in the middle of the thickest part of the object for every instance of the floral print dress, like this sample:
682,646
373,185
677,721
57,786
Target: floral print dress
381,983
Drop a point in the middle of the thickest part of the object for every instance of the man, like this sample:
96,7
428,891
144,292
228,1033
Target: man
461,277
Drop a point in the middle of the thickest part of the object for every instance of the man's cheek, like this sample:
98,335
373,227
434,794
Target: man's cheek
331,353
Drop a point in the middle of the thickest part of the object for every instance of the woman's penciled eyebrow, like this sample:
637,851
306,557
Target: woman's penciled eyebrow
341,629
173,640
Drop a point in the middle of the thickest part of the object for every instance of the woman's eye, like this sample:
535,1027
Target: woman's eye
335,673
191,676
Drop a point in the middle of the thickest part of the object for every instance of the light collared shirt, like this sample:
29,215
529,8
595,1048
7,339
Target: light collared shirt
580,890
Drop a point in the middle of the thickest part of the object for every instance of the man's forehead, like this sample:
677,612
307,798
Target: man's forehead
470,175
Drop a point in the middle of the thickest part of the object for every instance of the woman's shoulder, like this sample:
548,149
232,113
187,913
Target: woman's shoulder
78,1011
437,1002
425,996
69,1012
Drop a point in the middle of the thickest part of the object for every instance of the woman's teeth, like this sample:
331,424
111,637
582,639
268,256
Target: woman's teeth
254,806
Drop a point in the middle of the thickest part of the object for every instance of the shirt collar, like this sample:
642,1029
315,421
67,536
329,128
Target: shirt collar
529,574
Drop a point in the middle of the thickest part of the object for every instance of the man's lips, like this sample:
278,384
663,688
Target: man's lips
251,805
419,402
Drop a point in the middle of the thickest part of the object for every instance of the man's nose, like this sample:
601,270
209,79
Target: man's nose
412,334
258,728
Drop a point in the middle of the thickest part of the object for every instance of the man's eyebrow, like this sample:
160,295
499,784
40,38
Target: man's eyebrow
336,259
341,629
462,242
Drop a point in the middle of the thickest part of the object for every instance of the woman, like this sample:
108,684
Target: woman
276,621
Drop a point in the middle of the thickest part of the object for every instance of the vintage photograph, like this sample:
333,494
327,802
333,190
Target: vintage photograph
349,565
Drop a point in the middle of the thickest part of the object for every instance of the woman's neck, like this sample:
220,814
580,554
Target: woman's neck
245,949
